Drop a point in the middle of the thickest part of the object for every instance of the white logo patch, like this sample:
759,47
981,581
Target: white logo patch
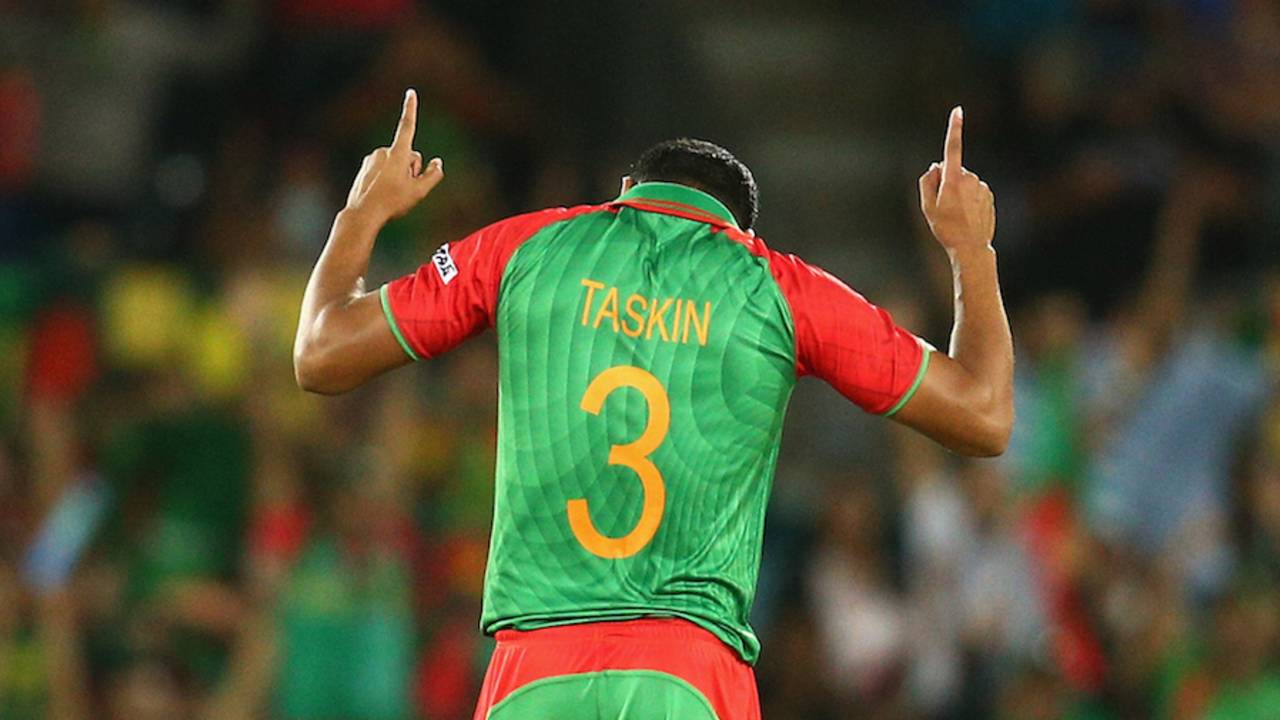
444,264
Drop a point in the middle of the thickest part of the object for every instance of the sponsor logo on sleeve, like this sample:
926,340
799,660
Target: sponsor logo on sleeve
444,264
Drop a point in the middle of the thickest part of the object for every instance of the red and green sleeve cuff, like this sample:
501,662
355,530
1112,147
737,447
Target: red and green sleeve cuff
395,329
926,352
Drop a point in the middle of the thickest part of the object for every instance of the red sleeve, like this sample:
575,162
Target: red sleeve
455,295
848,342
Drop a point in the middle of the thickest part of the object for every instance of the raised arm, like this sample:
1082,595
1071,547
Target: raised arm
965,399
1198,192
343,337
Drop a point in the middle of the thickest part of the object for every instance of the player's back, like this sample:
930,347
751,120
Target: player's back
648,349
647,352
646,360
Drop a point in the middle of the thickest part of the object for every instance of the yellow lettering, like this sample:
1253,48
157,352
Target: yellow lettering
700,327
673,317
592,286
656,314
609,308
634,455
637,316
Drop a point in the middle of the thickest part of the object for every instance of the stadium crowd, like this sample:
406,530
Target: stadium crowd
184,534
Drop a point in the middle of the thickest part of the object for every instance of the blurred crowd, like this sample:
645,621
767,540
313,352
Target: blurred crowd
184,534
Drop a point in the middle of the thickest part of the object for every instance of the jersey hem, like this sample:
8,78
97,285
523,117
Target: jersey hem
748,651
391,320
915,384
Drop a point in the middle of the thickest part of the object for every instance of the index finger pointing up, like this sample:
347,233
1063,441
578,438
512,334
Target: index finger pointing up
952,161
403,141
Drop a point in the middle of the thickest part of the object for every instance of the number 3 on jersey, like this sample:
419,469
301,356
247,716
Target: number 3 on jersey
634,455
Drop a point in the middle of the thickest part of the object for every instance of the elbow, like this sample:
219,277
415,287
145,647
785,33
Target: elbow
319,365
982,427
989,445
990,433
314,374
309,375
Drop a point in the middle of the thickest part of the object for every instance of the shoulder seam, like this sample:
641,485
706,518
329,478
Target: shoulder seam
767,255
570,214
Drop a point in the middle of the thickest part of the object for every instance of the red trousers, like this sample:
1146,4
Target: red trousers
661,645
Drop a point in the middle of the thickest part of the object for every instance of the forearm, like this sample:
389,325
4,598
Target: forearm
980,339
1163,296
59,627
336,283
338,276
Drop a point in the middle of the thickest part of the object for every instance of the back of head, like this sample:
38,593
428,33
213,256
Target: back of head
707,167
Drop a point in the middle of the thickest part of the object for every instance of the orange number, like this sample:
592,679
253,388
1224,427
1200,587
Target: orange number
634,455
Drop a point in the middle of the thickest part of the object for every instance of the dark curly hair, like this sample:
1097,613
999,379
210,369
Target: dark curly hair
707,167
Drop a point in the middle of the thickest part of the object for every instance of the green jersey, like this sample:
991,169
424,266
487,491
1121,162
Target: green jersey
648,349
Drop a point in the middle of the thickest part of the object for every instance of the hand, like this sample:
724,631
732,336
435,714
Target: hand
959,206
392,179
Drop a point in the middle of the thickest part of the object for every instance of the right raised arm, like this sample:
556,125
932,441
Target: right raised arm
965,398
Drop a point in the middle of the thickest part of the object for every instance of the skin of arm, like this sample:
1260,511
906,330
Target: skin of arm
965,400
343,339
1199,192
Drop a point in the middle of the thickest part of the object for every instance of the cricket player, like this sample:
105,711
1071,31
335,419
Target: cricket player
647,348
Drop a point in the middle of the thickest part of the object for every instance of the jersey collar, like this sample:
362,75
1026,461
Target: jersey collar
679,200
